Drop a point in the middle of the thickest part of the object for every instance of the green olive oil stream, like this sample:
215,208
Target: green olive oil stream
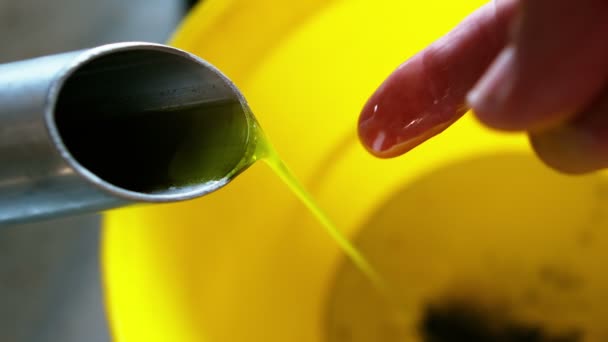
266,152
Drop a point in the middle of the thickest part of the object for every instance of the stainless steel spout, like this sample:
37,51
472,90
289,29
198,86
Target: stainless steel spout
105,127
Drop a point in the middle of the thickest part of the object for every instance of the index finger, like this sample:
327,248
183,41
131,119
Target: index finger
427,93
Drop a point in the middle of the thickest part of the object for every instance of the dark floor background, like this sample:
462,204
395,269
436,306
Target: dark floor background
50,286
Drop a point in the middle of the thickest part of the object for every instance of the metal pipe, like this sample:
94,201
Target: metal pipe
116,124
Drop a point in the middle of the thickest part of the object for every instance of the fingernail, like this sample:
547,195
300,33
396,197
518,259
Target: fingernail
390,129
489,98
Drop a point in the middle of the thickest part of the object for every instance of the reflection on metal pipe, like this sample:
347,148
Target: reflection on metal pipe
101,128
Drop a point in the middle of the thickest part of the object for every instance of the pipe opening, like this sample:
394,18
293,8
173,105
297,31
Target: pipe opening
151,121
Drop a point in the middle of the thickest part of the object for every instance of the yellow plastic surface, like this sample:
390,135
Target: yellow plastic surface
249,263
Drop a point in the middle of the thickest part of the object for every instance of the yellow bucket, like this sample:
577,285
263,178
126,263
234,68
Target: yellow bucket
470,215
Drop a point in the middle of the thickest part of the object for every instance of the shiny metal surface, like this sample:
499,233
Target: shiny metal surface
39,177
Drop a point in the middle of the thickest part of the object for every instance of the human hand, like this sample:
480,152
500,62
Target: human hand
539,66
